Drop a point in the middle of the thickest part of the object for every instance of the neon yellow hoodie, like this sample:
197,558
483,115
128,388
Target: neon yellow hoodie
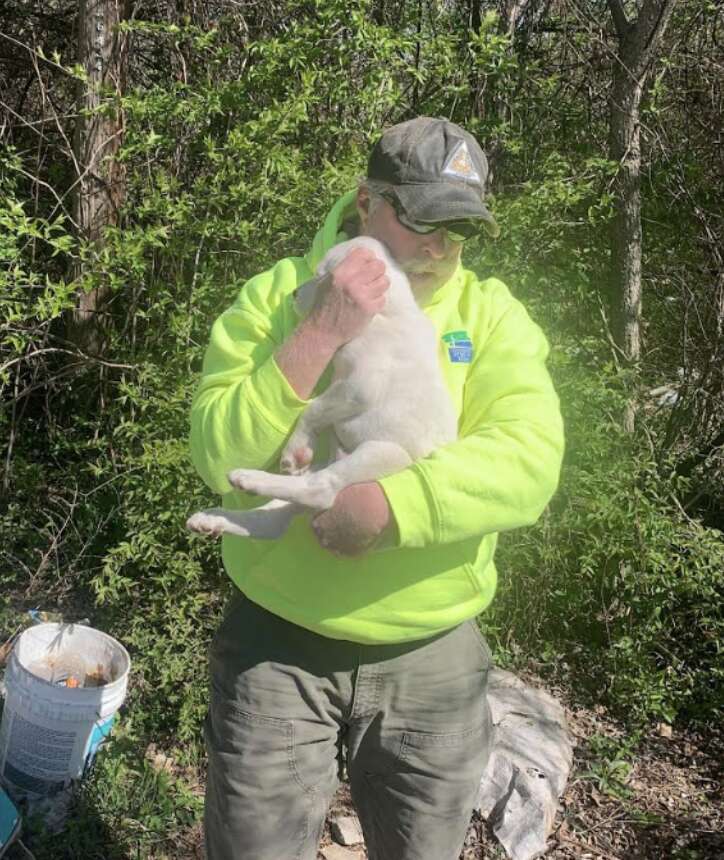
499,474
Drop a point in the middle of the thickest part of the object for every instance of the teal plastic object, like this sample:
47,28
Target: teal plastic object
9,822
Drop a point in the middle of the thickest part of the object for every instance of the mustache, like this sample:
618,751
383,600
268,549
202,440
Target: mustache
419,267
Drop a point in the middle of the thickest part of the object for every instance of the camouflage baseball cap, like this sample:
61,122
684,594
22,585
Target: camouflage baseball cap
437,171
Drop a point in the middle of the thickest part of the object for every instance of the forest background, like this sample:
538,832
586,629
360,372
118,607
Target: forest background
154,155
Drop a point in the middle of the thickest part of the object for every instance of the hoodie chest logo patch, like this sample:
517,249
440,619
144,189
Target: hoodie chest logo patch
459,346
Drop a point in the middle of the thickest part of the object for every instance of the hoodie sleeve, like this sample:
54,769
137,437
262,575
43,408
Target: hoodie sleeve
244,407
504,467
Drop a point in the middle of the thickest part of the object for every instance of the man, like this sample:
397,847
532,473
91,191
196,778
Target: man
353,640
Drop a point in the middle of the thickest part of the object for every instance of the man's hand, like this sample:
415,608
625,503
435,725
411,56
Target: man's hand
359,515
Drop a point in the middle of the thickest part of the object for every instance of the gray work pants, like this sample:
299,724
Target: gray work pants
288,707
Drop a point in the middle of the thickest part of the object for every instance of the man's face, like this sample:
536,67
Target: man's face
428,260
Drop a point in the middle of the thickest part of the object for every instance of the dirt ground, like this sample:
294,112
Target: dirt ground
659,801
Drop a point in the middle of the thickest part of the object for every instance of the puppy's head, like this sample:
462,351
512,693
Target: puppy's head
305,295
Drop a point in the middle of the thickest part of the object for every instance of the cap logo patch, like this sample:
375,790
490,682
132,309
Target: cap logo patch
460,165
459,347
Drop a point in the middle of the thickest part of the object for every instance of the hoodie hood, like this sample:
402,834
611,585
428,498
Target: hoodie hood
331,232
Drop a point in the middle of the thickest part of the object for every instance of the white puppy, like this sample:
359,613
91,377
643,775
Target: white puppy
387,406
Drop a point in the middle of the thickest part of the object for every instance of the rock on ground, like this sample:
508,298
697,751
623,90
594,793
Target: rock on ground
337,852
529,765
346,830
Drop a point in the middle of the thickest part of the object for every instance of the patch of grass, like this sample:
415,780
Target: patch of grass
611,763
127,808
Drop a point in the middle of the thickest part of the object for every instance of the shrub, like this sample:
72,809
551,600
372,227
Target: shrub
615,579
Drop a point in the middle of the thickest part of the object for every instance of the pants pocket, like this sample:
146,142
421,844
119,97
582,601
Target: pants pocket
461,756
253,744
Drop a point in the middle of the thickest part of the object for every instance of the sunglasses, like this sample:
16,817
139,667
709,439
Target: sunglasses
456,231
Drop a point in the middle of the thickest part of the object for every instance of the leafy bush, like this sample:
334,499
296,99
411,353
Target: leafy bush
615,579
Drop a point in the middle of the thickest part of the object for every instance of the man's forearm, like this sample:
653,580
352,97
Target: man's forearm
304,355
346,299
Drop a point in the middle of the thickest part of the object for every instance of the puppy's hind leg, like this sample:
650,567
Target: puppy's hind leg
264,523
368,462
338,402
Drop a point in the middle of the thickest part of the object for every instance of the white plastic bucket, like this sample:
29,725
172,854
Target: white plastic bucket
50,728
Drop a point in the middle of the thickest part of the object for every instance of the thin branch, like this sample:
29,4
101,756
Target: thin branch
74,353
36,55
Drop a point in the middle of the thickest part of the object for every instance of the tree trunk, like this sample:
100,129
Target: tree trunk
100,189
625,148
637,44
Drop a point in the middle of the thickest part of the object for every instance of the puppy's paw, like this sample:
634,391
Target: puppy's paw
252,481
296,460
211,522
